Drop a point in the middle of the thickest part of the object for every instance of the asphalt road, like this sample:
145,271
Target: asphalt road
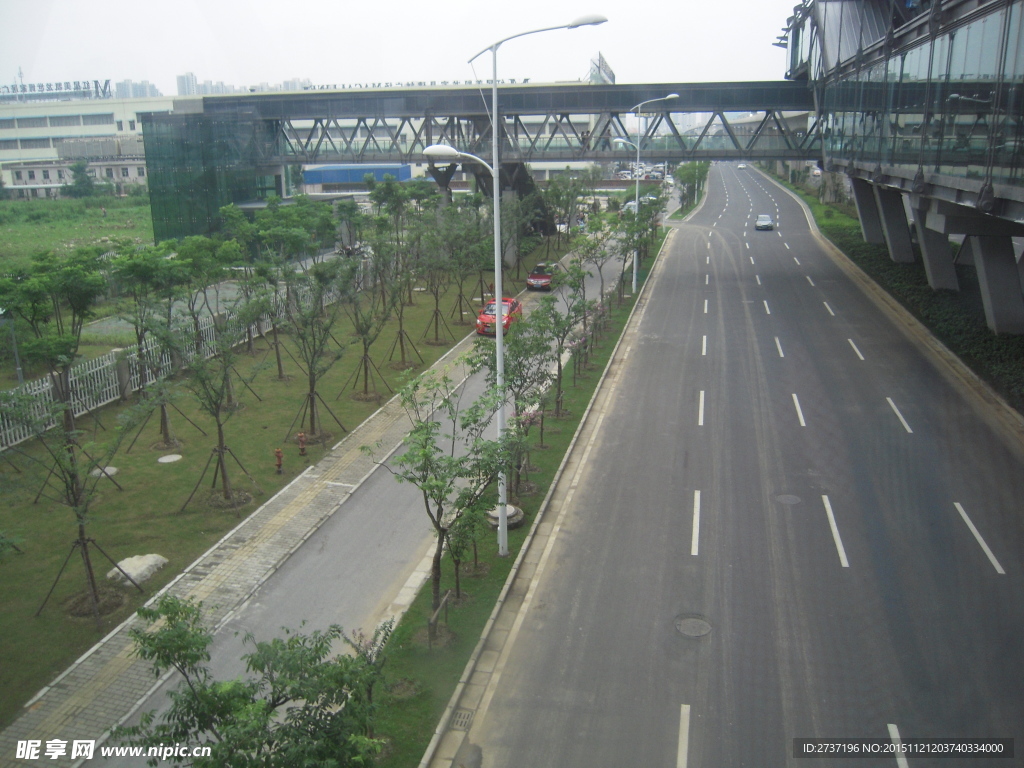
792,527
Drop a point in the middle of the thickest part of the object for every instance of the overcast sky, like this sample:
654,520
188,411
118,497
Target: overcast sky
338,42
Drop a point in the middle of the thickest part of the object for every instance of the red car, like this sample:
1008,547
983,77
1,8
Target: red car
540,277
486,321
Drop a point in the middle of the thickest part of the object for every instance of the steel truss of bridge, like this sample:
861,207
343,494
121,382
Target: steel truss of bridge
540,123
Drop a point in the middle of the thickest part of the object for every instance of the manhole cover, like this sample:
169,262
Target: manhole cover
169,458
693,626
788,499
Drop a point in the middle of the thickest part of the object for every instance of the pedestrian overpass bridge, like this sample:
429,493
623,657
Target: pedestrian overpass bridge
567,122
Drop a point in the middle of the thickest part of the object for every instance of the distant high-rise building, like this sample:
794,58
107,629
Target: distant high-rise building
127,89
188,85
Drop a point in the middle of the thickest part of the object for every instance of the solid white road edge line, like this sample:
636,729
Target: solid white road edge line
981,541
835,533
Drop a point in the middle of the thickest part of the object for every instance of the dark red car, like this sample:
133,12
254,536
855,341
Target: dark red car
486,321
540,277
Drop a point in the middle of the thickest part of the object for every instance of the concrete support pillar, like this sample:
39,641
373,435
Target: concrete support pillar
1000,283
966,254
936,253
867,211
123,371
894,224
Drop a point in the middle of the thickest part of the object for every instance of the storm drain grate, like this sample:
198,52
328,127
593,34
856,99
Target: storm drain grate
461,719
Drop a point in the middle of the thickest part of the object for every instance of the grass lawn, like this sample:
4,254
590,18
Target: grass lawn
28,227
144,518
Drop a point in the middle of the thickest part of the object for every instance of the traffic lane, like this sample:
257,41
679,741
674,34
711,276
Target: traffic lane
637,582
936,602
910,483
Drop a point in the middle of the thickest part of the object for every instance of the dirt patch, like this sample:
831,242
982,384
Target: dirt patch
475,572
238,500
162,446
366,397
320,438
527,488
404,688
398,365
79,605
443,636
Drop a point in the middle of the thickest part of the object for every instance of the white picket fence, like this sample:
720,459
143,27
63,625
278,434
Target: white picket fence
100,381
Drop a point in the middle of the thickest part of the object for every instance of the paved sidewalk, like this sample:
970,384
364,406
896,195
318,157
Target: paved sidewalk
107,684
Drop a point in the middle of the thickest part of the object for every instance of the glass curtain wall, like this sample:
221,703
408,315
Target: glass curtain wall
953,104
197,164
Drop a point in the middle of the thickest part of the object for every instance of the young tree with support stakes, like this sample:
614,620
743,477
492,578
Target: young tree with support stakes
211,374
472,251
557,316
55,298
311,320
455,483
299,703
594,248
149,277
369,311
75,468
528,363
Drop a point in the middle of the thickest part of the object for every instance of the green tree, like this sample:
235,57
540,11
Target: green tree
55,299
147,275
82,184
557,316
212,377
453,483
528,373
299,703
311,319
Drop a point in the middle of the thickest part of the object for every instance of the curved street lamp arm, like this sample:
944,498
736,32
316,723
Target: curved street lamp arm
583,21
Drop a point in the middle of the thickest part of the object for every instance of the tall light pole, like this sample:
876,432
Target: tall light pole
443,152
636,173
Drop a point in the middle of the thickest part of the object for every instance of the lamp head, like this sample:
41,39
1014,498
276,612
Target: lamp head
590,20
441,152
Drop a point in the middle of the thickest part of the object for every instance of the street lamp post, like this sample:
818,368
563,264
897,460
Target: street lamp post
636,197
443,152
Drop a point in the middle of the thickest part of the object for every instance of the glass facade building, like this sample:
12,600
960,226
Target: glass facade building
197,164
925,90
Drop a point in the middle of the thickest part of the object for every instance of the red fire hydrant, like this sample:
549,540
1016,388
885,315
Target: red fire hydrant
279,456
302,443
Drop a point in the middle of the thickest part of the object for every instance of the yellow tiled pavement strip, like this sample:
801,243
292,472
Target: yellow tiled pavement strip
104,686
